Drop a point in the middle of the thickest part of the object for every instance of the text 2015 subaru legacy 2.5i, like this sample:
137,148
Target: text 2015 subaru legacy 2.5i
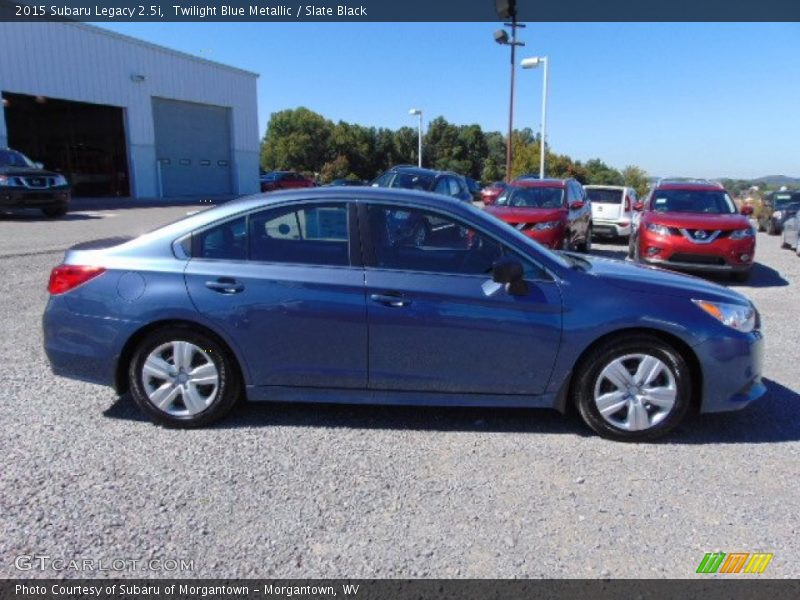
326,295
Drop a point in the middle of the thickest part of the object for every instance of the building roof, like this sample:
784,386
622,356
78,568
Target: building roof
163,49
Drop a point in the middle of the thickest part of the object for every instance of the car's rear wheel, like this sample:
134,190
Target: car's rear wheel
183,378
54,211
633,388
586,246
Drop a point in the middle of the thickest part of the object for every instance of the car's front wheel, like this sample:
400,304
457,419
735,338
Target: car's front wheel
183,378
586,245
633,388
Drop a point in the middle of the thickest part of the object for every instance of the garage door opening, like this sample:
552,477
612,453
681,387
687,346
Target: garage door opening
85,142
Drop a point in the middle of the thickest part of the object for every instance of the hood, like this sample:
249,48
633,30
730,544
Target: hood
26,172
652,280
697,221
526,215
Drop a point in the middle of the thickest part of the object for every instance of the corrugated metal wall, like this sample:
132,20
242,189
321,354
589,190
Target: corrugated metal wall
80,62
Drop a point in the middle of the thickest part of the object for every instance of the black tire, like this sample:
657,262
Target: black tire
771,228
54,211
589,370
785,245
228,388
586,245
760,225
741,276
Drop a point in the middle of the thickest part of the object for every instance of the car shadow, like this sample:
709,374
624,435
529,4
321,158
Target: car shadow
774,418
30,216
761,276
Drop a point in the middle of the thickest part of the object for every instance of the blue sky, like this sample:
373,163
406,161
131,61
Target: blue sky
704,100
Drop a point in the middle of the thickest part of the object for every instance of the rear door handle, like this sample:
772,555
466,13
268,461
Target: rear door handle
393,300
225,285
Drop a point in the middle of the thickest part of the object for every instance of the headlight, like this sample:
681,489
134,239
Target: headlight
547,225
658,229
738,317
59,181
741,234
4,181
777,214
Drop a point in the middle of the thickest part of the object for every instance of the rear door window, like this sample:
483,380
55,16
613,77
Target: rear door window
310,235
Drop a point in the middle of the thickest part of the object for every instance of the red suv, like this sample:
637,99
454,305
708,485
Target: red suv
284,180
693,226
554,212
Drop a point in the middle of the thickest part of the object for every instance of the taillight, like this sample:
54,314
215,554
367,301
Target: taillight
67,277
627,204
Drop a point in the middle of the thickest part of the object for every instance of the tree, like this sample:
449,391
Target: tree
296,139
338,168
635,177
598,172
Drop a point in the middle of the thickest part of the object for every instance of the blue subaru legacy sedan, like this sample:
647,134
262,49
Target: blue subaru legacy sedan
392,297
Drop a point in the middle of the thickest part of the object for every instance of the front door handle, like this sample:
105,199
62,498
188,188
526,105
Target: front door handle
225,285
393,300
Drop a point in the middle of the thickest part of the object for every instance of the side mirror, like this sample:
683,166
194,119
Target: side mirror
577,205
638,207
747,210
509,271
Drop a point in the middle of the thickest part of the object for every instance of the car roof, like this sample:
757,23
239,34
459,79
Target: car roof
550,183
690,186
421,170
599,186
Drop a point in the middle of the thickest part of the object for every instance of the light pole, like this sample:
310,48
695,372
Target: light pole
418,112
507,9
533,63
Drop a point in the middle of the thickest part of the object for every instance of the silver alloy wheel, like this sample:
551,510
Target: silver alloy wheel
635,392
180,378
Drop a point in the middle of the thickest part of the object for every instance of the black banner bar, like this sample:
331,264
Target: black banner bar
708,588
396,10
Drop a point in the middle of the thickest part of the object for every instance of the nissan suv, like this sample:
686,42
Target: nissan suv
26,184
693,226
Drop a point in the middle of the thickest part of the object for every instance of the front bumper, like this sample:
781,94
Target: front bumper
551,238
16,197
723,255
731,371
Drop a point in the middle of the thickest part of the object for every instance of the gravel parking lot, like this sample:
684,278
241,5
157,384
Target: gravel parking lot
282,490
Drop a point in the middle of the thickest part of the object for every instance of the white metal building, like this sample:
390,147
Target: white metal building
120,116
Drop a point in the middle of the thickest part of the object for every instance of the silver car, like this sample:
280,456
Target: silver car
791,233
612,209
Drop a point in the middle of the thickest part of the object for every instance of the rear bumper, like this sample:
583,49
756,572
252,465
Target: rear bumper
29,198
731,371
611,228
83,347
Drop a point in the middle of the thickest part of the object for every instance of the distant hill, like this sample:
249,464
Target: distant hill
778,180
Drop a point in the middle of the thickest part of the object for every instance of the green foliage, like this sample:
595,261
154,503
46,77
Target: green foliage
598,172
636,178
305,141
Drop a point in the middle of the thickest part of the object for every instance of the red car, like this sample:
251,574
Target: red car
694,226
554,212
284,180
490,193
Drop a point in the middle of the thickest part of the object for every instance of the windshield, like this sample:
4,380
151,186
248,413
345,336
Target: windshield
782,200
603,196
710,202
12,158
405,180
532,197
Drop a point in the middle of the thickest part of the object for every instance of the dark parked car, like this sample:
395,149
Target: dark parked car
345,182
284,180
474,188
555,212
693,226
308,297
426,180
776,209
26,184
